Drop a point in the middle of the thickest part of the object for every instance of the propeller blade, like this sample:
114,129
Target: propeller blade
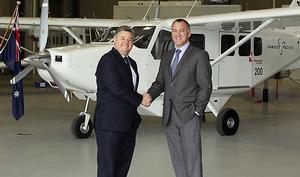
44,26
21,74
58,82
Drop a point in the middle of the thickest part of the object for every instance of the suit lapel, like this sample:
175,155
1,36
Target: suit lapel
186,56
127,78
169,58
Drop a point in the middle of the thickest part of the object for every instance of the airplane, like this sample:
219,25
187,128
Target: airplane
245,49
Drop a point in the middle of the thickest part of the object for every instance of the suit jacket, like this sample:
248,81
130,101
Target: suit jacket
117,101
189,89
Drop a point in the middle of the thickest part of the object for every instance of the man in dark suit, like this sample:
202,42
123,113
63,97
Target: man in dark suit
185,78
116,117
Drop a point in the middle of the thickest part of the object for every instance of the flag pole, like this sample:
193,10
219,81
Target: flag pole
10,22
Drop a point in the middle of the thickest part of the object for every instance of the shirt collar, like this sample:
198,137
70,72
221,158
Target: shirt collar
123,56
184,47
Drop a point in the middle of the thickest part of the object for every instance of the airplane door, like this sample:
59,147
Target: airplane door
235,69
212,47
257,60
162,43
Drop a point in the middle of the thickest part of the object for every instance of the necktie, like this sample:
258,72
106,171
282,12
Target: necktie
126,59
175,61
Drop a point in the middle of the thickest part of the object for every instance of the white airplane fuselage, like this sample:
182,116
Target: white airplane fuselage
270,52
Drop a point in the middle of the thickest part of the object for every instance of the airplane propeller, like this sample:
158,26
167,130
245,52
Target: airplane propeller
44,26
42,59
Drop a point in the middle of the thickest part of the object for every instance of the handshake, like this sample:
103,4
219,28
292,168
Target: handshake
147,99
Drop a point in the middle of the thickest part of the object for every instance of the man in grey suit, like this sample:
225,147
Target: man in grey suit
185,78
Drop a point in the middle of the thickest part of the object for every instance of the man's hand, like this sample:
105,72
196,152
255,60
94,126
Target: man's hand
147,99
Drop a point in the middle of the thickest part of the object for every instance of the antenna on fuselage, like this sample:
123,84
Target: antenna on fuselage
192,8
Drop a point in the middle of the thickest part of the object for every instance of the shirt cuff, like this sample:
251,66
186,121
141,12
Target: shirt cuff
197,113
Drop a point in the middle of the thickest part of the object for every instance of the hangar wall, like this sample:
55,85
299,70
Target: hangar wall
104,8
246,4
169,9
262,4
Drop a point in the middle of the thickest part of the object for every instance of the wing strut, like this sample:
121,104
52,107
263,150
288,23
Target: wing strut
73,35
192,8
241,42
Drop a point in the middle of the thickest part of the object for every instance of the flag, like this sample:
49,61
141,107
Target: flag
10,56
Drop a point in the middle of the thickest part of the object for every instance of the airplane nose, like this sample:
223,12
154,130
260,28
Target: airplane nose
39,59
36,60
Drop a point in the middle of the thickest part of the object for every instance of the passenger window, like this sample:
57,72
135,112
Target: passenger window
244,50
227,41
162,44
198,40
257,46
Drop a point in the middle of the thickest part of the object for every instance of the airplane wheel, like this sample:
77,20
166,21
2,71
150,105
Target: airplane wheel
227,122
77,128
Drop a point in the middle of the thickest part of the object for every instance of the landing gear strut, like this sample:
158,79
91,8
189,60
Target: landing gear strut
82,126
227,122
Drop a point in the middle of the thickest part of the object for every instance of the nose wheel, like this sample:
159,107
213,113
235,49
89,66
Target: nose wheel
79,130
82,126
227,122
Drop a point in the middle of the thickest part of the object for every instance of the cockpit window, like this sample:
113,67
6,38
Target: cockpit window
108,34
142,36
165,43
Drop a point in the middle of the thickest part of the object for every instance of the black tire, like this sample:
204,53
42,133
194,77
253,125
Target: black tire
227,122
77,128
265,95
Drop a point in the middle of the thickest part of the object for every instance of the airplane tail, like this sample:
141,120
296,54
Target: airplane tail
295,3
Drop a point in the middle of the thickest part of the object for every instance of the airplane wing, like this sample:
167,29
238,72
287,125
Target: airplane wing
284,17
29,22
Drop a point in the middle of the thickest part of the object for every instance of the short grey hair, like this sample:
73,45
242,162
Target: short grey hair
181,20
125,28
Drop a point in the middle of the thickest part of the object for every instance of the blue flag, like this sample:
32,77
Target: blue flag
10,56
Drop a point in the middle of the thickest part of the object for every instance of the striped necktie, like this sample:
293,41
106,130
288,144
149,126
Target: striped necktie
126,59
175,61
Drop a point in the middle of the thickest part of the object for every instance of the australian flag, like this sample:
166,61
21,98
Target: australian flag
10,56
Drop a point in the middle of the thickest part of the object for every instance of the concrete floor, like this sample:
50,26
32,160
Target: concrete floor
41,144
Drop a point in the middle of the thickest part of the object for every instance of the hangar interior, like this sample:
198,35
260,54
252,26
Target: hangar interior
41,143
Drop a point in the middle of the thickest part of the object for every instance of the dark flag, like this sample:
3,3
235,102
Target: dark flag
10,56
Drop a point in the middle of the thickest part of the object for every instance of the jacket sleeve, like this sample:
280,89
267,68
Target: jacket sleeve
203,76
158,85
109,77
